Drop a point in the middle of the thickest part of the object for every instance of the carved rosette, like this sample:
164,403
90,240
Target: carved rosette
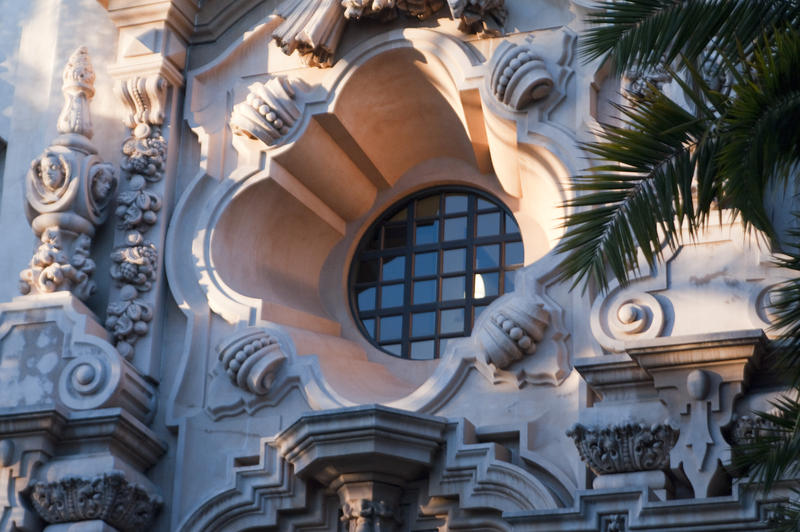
314,28
135,262
109,497
513,330
519,76
252,359
364,515
624,448
269,112
67,190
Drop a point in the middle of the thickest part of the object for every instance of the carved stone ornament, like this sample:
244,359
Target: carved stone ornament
519,76
128,320
268,113
108,497
68,188
512,331
252,359
136,260
364,515
314,27
624,448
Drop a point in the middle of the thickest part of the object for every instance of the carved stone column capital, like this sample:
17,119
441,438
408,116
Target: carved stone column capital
126,506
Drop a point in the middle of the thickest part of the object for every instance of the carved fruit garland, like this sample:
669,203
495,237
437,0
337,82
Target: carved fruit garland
136,261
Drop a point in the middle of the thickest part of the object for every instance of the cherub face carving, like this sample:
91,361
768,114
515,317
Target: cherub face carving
51,169
102,185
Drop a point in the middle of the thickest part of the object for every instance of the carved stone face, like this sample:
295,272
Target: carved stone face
52,172
101,185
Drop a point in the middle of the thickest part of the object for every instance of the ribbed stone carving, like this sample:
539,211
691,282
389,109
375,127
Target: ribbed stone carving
624,448
109,497
252,359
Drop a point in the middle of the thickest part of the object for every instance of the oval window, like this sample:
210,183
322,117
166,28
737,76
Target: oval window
425,270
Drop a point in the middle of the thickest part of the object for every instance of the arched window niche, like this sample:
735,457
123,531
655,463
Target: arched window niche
280,239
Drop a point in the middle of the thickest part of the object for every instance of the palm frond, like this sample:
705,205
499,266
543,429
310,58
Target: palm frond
640,34
639,193
762,140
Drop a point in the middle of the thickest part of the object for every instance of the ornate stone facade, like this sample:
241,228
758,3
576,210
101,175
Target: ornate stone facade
193,361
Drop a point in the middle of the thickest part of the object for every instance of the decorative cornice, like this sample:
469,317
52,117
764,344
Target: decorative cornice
126,506
624,448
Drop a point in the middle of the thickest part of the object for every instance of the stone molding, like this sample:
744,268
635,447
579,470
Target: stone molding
68,188
624,448
126,506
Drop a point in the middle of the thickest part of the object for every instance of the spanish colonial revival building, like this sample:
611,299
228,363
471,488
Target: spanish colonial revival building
288,266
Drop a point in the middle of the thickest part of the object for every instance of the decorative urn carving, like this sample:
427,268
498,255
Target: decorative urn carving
624,448
109,497
67,190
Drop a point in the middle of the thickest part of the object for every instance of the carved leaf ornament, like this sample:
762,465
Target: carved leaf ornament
624,448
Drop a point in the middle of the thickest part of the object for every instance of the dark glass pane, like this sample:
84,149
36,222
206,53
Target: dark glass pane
369,325
486,285
427,232
366,299
367,271
483,204
422,350
394,268
374,239
511,225
394,236
452,321
395,349
391,328
487,257
443,346
423,324
453,288
488,224
400,216
392,296
455,203
426,263
424,291
514,253
428,207
455,228
477,311
454,260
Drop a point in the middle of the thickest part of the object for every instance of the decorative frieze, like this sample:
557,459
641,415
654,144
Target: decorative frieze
109,497
269,112
252,359
314,28
67,190
624,448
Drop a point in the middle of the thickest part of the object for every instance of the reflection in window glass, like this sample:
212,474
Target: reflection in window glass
426,269
426,264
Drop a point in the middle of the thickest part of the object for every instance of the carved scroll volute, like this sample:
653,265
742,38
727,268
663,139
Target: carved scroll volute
144,98
67,190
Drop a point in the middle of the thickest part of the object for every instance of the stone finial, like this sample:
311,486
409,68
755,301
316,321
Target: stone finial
78,89
108,497
624,448
518,76
67,190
